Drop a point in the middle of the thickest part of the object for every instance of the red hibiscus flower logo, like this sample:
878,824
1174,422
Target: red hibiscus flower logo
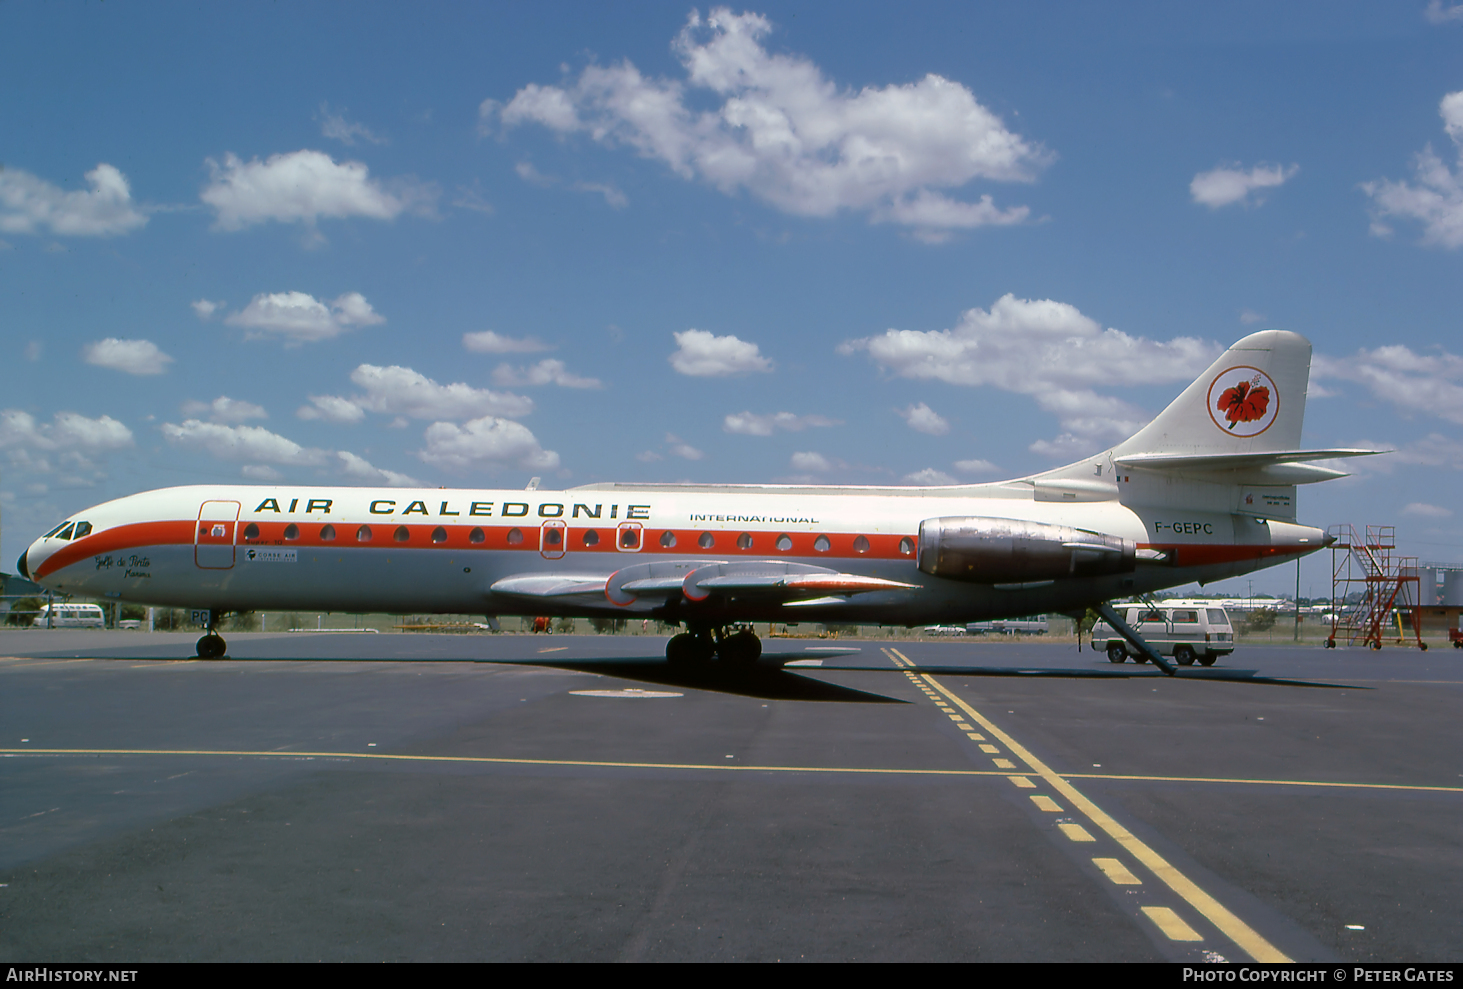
1245,402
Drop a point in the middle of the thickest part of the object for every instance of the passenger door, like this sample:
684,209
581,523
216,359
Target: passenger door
213,538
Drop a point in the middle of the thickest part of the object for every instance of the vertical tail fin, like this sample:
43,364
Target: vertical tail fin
1251,400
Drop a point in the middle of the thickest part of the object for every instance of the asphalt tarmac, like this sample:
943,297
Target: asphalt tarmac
400,797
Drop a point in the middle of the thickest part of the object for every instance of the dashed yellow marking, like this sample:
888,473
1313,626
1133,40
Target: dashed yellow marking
1117,872
1022,782
1004,763
989,749
975,736
1245,937
1076,832
1171,924
1043,802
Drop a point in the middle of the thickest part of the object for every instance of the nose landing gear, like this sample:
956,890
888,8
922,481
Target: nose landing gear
212,645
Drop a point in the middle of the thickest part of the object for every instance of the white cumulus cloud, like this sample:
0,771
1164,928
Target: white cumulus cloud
488,342
337,128
812,462
66,431
1431,384
225,409
205,308
1435,197
298,317
1421,509
976,467
754,424
303,186
923,419
331,408
486,443
702,354
252,444
1050,351
397,390
1230,184
929,476
789,136
29,204
545,372
358,468
140,357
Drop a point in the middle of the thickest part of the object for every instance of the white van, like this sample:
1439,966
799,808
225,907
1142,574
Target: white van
70,616
1185,630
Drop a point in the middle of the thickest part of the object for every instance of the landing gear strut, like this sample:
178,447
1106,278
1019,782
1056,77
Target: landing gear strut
1144,651
735,646
212,645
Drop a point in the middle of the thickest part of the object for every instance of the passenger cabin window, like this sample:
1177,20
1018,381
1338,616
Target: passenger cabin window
402,534
327,533
515,537
1150,616
363,534
629,538
822,545
251,531
667,539
591,538
744,541
860,545
476,536
439,535
906,546
784,542
82,529
1217,616
292,531
706,541
553,537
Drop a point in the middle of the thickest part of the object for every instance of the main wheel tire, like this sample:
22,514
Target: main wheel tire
1376,645
740,648
1330,643
689,650
1116,653
1183,655
212,646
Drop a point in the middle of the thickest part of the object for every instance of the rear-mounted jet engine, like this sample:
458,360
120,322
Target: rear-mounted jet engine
988,550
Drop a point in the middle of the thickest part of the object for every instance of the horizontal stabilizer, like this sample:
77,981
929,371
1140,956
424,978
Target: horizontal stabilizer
1232,461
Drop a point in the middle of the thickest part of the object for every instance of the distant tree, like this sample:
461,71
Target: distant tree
608,626
168,620
564,626
133,613
24,612
243,621
1260,621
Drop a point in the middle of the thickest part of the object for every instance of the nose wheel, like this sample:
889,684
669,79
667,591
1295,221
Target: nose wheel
212,645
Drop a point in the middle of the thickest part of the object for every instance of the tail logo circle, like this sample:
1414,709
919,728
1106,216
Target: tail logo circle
1243,401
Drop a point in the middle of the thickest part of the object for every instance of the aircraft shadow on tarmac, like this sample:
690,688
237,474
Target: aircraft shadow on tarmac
762,682
1068,673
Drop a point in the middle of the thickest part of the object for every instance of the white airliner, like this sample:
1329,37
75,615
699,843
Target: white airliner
1204,491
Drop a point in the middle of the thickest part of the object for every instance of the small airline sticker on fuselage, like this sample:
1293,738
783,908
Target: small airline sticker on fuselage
266,554
1243,401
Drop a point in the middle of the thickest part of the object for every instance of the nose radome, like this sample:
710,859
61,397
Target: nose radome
21,566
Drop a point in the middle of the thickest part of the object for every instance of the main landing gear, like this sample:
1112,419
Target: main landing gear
212,645
735,645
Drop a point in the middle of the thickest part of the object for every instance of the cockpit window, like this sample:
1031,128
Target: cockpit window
82,529
56,530
66,532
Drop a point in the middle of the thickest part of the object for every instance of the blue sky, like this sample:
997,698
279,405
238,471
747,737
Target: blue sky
466,245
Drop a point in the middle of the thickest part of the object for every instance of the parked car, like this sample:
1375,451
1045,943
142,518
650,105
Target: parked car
1185,630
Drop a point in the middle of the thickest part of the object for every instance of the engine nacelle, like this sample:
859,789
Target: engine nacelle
1010,551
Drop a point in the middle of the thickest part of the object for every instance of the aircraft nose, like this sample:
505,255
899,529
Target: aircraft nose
21,566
